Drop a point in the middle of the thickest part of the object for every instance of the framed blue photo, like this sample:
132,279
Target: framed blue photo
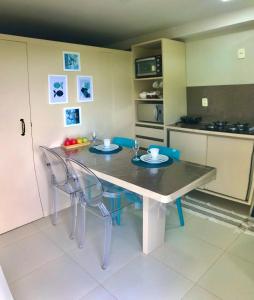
71,61
84,88
57,89
72,116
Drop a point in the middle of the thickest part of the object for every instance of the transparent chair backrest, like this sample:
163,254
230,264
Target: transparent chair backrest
89,184
56,166
123,141
171,152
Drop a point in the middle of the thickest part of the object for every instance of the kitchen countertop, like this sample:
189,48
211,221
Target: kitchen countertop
196,129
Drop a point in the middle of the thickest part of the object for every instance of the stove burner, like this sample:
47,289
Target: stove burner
233,128
220,123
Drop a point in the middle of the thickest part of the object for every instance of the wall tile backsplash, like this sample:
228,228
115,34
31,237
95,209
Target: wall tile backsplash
232,103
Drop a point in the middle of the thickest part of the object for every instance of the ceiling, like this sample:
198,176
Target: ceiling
102,22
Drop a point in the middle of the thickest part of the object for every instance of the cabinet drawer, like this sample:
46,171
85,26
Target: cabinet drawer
150,132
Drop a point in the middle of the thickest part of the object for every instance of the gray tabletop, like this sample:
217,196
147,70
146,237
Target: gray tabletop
162,184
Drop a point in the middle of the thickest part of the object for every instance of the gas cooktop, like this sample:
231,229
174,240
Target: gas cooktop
222,126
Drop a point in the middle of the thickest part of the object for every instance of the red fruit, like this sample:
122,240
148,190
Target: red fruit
73,141
67,142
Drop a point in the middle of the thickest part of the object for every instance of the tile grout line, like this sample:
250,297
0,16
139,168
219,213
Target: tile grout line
209,268
50,261
209,292
225,225
35,269
18,240
172,269
236,255
100,285
193,235
195,285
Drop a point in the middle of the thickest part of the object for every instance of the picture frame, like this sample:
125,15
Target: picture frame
72,116
71,61
57,89
85,89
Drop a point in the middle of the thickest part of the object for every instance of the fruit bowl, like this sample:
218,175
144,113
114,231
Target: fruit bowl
75,143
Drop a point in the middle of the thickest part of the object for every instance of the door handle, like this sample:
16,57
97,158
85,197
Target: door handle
23,127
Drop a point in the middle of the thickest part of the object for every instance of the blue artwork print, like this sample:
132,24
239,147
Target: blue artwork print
72,116
85,88
71,61
58,92
57,89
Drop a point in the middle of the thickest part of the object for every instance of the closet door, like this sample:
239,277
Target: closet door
19,197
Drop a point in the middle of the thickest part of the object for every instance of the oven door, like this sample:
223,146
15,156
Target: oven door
146,67
150,112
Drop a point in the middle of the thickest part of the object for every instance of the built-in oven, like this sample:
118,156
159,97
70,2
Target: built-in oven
151,112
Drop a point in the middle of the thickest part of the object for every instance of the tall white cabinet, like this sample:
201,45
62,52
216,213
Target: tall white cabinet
173,92
19,197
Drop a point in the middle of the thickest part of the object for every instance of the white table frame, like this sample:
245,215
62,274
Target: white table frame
154,203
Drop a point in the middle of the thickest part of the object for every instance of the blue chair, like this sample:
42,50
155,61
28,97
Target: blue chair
123,141
175,154
130,196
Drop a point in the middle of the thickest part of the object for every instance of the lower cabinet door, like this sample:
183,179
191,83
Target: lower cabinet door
19,197
192,146
232,159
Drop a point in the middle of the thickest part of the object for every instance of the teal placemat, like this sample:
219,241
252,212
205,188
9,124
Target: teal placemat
94,150
143,164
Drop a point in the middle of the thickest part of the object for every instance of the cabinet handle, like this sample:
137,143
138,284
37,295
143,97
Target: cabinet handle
23,127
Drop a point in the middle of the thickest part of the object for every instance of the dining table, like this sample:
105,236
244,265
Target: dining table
157,186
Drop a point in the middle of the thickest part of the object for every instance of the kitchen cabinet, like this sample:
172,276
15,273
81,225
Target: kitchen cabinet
169,89
231,156
19,197
193,147
232,159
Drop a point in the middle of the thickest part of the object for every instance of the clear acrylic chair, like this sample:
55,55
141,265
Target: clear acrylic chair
94,195
61,179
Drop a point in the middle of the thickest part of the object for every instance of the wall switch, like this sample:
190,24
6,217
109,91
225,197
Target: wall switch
241,53
204,102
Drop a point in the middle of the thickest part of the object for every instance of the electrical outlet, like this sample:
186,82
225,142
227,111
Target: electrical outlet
204,102
241,53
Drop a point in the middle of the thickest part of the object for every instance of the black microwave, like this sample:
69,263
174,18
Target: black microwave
148,66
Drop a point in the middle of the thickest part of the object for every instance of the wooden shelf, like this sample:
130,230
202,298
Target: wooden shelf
155,99
148,78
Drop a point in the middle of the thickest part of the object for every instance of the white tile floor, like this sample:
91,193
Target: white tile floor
202,261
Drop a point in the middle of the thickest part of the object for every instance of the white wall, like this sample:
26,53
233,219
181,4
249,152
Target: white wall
109,114
213,61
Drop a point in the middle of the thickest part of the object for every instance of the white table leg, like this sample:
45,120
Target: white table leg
154,218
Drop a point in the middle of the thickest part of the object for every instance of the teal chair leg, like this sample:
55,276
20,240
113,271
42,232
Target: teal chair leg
118,213
115,204
112,208
180,211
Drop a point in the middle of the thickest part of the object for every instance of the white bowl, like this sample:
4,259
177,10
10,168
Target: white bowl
142,95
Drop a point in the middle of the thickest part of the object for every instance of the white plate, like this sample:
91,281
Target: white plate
111,147
159,159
